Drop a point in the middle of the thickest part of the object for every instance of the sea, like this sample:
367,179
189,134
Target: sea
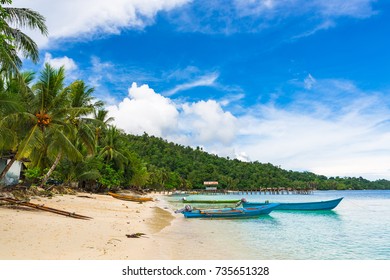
357,229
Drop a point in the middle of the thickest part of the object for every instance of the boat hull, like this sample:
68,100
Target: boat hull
301,206
232,212
130,197
211,201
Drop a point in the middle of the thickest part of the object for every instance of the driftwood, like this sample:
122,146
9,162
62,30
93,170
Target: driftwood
135,235
44,208
86,196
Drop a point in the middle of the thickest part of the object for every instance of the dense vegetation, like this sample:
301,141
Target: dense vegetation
62,134
184,167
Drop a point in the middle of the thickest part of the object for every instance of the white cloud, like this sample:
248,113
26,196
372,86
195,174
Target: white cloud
242,156
58,62
79,19
352,8
326,24
232,16
145,111
206,80
309,81
350,144
206,122
334,129
347,137
75,18
281,8
99,70
233,98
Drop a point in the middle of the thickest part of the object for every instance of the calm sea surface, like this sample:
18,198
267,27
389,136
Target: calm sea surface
358,228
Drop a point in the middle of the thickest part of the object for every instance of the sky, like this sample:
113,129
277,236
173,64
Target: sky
303,85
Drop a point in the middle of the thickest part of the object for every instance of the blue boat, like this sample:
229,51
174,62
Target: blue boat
301,206
244,212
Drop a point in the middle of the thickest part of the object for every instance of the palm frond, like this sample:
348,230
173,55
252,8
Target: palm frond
32,141
9,59
87,137
102,115
9,103
26,18
49,86
76,112
8,139
23,43
59,142
80,94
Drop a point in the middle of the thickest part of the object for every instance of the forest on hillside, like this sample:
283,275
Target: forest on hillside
174,166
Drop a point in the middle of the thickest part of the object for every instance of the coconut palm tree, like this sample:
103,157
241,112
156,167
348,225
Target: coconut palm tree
13,40
101,122
82,105
112,151
13,97
59,120
42,125
51,124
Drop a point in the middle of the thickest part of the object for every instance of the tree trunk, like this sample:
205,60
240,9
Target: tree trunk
47,176
7,168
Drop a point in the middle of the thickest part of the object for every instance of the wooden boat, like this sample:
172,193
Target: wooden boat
229,212
130,197
301,206
210,201
178,194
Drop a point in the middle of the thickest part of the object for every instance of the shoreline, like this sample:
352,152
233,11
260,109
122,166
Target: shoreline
31,234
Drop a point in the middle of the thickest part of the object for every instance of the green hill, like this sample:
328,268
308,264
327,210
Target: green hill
176,166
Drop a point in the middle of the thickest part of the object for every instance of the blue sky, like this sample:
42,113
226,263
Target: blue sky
300,84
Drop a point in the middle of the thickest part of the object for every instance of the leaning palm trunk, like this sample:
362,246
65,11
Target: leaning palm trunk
47,176
7,168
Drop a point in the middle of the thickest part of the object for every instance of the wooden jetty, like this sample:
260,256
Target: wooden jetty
272,191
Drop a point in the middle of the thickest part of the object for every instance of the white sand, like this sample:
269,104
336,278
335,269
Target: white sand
30,234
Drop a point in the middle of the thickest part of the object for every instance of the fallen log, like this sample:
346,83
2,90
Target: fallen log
44,208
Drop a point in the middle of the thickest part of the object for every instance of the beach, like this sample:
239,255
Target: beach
349,232
31,234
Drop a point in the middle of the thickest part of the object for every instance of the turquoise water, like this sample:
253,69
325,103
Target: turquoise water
358,228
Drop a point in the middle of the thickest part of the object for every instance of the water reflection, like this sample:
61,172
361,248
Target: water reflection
327,214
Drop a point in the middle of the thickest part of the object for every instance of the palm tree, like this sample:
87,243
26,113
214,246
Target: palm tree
113,146
56,120
51,124
82,105
13,97
43,132
13,40
101,122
